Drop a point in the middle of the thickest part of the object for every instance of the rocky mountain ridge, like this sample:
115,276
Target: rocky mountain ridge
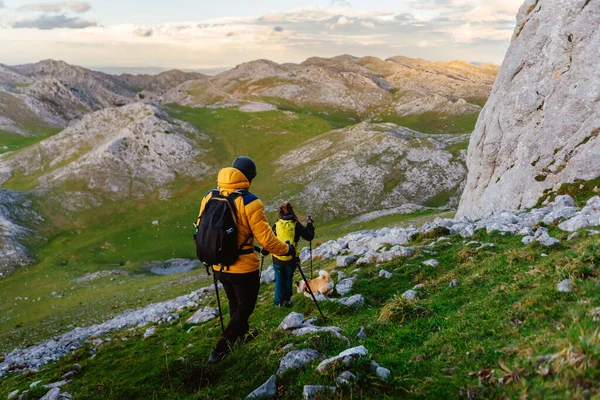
118,152
55,93
368,86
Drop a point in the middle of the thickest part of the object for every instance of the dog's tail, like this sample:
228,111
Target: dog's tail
324,274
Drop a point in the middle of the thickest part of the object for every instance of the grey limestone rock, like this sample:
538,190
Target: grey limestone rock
266,390
203,315
297,359
312,392
566,286
346,357
539,128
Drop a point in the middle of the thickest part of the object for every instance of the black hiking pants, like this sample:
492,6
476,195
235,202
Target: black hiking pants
242,292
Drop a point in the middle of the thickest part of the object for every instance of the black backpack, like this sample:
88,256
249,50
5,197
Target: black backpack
216,233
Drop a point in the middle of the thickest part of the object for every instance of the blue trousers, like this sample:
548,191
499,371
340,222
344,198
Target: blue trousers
284,274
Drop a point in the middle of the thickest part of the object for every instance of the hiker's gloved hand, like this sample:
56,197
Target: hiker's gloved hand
291,249
264,252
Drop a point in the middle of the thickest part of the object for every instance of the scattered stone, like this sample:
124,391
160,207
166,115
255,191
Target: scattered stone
566,286
346,357
527,239
341,276
52,394
65,396
454,283
356,300
431,263
573,235
34,384
526,231
382,373
69,374
346,379
385,274
418,286
168,318
266,390
77,367
345,261
314,392
374,365
362,333
150,332
345,286
288,347
267,276
13,395
59,346
203,315
296,359
410,295
190,346
546,240
355,271
292,321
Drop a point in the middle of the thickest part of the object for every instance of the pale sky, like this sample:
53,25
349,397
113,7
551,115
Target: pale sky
207,34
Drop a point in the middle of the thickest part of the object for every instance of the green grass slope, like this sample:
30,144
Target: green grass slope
481,339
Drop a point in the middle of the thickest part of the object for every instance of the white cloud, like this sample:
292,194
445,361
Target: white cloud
368,24
143,32
49,22
75,6
341,22
449,33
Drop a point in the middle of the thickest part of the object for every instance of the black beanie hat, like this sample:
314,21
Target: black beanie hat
246,166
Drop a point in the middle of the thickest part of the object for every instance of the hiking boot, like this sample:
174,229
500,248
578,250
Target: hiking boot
288,303
250,335
216,356
277,305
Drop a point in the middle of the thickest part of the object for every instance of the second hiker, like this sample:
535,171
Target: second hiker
288,228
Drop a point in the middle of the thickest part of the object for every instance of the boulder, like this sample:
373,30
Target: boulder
150,332
296,359
52,394
362,333
311,392
346,379
267,276
382,373
203,315
292,321
539,127
352,301
566,286
385,274
345,286
547,240
410,295
346,357
431,263
266,390
13,395
345,261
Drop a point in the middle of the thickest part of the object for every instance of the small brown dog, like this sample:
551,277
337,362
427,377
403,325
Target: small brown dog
323,284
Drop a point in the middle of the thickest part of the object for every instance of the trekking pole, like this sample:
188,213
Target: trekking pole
262,261
310,291
218,301
310,252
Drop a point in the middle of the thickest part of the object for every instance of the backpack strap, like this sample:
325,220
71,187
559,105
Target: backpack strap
232,196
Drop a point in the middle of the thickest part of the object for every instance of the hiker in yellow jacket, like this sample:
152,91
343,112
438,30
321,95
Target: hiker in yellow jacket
241,279
288,228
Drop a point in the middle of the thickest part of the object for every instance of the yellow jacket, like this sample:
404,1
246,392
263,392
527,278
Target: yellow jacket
252,222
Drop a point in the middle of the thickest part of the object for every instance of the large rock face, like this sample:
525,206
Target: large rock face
541,125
